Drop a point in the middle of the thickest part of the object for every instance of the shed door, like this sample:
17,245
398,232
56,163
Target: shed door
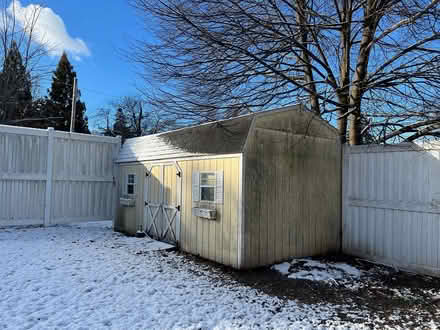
162,202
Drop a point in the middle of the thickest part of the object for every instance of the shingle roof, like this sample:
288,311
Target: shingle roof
216,138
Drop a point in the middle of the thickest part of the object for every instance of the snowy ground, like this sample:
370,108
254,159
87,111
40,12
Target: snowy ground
88,277
346,276
400,298
331,273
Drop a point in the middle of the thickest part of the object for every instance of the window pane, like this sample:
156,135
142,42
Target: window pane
131,178
130,189
207,179
207,194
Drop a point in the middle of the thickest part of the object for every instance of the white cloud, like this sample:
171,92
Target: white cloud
49,30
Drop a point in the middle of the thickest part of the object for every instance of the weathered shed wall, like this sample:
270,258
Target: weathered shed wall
215,240
128,219
289,203
291,189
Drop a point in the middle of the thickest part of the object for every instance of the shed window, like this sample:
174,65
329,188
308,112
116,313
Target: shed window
207,186
131,184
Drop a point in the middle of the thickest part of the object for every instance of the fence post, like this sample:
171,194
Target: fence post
116,182
49,178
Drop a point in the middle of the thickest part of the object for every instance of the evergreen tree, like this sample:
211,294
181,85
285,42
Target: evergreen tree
60,98
15,87
120,125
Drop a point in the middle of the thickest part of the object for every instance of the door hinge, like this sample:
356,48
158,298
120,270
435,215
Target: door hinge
178,208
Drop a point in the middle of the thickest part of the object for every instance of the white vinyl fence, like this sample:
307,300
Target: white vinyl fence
52,177
391,205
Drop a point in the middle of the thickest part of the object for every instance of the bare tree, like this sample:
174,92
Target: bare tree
140,118
18,37
131,116
103,121
372,66
23,34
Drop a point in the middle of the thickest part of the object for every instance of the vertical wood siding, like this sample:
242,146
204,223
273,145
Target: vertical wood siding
161,192
292,196
81,178
391,210
217,239
128,219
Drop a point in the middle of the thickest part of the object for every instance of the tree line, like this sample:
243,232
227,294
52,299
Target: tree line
21,72
369,67
131,116
127,117
18,107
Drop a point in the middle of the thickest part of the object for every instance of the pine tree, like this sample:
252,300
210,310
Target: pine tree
15,87
60,98
120,125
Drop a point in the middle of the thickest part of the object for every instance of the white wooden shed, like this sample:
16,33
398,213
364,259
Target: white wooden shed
245,192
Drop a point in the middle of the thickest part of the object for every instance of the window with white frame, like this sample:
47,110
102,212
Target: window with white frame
207,186
131,184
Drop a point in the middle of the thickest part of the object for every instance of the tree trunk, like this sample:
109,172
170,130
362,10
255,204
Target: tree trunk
342,127
305,59
370,25
139,124
355,137
344,91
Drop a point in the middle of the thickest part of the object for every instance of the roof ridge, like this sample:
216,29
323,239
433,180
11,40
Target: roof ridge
259,113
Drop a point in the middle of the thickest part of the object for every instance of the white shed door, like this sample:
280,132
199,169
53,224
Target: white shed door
163,202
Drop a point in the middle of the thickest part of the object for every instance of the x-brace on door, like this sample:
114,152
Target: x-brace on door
163,202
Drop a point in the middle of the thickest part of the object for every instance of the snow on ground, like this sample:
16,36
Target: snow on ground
314,270
347,276
88,277
283,268
400,300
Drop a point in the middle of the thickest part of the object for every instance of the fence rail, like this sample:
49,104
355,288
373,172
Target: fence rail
391,205
51,177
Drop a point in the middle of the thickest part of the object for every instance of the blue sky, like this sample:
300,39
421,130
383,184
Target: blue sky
103,27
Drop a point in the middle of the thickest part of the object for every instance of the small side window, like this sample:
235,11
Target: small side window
207,186
131,184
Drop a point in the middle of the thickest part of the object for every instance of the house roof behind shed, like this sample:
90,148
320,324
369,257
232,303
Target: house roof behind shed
216,138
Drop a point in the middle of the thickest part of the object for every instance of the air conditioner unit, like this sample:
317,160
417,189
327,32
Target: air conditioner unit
204,213
129,202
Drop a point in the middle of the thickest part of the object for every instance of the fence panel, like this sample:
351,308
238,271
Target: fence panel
50,177
391,205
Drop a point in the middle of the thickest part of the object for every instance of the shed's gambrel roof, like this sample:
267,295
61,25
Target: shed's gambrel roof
216,138
220,137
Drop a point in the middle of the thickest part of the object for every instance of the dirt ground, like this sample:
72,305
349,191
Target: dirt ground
398,299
